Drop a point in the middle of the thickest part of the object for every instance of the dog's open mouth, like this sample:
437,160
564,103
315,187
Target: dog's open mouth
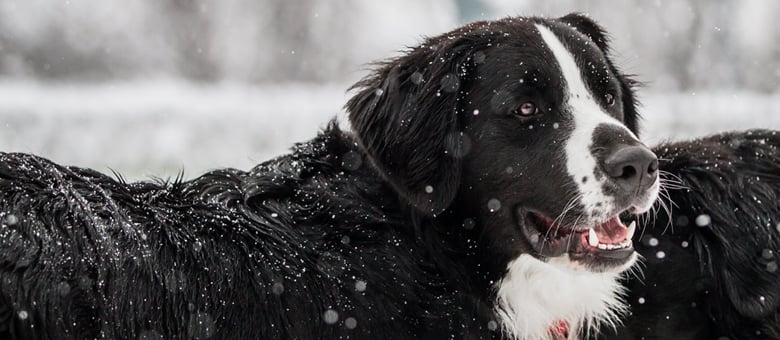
609,240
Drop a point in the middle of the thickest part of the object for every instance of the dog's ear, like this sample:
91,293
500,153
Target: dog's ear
588,27
598,35
405,115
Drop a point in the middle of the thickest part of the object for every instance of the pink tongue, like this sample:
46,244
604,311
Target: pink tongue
611,232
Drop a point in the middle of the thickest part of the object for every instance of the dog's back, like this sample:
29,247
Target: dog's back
230,254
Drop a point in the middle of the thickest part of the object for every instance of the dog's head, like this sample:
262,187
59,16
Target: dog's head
524,125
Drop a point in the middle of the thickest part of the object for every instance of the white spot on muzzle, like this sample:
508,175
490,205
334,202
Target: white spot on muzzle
587,115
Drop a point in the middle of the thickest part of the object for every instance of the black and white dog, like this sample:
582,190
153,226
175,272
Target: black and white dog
476,193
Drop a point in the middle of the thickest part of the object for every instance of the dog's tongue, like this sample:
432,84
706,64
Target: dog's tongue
612,231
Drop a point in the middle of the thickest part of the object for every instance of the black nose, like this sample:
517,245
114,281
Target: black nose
632,167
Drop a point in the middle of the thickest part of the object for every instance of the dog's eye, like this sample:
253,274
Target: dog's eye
526,109
610,99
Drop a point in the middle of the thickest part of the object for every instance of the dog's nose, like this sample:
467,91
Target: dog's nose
632,167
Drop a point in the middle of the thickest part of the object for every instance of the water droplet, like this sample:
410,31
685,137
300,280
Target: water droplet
428,189
703,220
330,316
360,285
350,322
494,205
23,314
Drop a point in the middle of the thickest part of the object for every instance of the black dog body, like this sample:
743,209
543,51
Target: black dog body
303,246
477,194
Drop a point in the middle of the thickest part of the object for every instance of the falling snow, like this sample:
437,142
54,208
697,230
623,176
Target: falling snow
652,241
360,285
703,220
330,316
494,204
350,323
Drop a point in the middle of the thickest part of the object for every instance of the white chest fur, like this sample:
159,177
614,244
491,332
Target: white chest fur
534,295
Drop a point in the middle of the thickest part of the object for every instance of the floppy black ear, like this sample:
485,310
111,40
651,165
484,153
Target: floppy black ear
598,35
588,27
405,115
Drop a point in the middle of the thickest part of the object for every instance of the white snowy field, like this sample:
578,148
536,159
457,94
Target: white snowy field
160,128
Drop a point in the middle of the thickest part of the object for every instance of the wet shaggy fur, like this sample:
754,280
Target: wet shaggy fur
376,233
308,245
711,268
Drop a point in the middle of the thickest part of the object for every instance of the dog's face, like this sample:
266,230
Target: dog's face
525,124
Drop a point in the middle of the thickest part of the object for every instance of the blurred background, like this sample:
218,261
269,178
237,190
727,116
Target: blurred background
154,87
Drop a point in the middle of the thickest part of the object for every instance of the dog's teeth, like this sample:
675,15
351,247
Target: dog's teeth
631,230
593,239
602,246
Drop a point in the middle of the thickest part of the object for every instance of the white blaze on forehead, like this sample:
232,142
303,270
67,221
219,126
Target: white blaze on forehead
587,115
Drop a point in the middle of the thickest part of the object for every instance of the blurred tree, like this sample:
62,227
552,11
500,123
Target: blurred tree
673,44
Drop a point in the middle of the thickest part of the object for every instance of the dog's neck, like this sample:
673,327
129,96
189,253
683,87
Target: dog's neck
534,297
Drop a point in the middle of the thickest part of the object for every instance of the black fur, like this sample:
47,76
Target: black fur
718,276
229,255
379,233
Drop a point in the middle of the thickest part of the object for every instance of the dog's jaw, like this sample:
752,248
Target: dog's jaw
533,296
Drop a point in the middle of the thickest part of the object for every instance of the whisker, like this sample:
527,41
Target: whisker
576,221
556,222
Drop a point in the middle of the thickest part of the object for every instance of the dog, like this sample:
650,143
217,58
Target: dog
711,261
477,192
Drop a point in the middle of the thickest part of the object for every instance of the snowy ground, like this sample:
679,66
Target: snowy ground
162,127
